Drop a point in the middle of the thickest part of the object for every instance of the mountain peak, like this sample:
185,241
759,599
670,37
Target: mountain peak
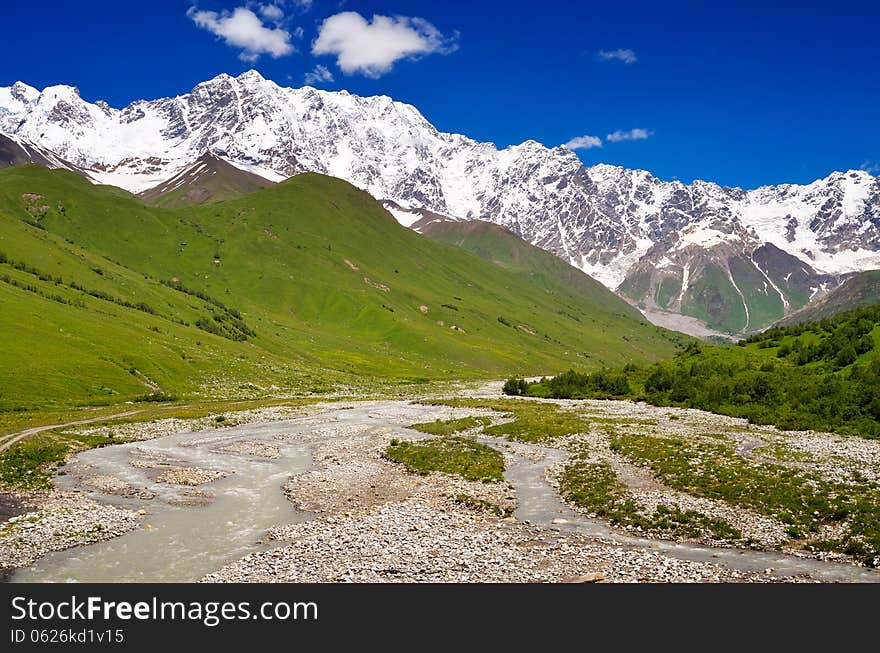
61,92
209,178
531,144
251,75
24,93
217,79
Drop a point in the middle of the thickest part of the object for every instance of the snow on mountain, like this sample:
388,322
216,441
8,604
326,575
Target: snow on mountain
832,222
416,218
15,151
604,219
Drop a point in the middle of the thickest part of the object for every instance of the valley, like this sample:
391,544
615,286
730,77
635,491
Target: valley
306,286
260,334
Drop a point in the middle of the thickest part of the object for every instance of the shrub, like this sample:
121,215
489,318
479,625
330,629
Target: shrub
516,387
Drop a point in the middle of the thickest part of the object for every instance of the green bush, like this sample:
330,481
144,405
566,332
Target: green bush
823,376
516,387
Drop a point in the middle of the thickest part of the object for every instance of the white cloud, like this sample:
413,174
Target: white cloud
584,143
631,135
872,168
302,6
372,48
242,28
271,12
318,75
625,55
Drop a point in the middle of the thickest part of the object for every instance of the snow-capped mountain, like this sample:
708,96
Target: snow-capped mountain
624,227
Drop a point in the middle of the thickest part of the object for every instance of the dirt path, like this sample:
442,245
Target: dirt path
7,441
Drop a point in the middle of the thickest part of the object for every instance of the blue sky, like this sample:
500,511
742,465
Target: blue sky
752,93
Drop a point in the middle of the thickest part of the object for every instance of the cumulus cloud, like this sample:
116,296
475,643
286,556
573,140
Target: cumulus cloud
631,135
371,48
625,55
242,28
318,75
584,143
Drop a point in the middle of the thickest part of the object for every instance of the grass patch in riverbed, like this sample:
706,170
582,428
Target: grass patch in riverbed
450,426
533,421
451,455
482,505
595,487
782,453
619,421
27,465
798,498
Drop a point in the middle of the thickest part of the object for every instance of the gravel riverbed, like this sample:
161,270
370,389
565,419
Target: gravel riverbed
63,520
370,520
423,540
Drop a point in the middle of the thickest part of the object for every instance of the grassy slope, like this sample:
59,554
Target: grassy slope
85,351
714,300
495,243
329,282
861,290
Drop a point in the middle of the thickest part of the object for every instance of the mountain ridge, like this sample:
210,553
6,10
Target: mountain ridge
209,179
858,291
604,219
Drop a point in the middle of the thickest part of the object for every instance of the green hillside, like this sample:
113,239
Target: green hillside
304,285
861,290
822,375
505,249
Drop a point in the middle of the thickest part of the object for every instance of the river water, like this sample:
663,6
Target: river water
539,503
181,542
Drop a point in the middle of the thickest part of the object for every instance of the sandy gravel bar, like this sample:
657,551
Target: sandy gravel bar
191,476
253,448
351,473
64,520
172,425
417,541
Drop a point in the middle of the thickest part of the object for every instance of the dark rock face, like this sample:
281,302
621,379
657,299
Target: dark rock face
15,153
